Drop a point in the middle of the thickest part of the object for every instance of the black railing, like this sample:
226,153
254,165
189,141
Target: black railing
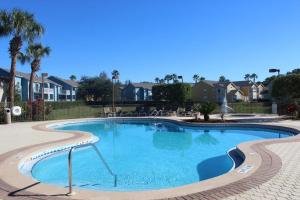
79,109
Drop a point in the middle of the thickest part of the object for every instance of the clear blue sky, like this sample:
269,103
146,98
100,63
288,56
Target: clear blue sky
145,39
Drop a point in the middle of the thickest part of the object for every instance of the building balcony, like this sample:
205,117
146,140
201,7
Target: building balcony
46,91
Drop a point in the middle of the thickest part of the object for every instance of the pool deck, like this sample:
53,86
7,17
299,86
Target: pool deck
275,173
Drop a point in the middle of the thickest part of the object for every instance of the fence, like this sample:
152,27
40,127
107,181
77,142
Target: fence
78,109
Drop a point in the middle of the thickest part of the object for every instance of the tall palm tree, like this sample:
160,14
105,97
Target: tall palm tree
34,54
222,79
157,80
23,27
181,78
73,77
168,77
196,78
115,75
174,78
247,77
253,77
5,27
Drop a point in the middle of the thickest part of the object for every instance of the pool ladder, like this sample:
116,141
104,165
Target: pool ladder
99,155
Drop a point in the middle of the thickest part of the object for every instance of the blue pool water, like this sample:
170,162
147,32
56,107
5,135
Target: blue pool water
147,155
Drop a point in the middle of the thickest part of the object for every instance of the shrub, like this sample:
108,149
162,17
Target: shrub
205,109
176,93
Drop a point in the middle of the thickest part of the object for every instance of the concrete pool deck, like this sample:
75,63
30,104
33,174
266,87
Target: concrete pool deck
276,175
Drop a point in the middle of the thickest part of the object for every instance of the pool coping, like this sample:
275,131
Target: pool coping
259,166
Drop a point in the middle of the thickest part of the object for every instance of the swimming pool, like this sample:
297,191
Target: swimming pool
148,154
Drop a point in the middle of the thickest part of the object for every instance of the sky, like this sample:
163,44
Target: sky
144,39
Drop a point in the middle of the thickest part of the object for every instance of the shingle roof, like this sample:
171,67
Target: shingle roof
243,83
214,83
232,92
145,85
69,82
27,77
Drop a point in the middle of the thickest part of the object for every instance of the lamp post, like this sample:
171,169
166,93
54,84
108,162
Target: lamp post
113,93
115,76
181,77
43,77
274,104
274,70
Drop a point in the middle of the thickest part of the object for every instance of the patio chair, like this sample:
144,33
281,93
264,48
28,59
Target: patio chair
107,112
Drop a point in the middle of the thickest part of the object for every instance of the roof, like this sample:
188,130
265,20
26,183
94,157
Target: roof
232,92
243,83
27,77
213,83
66,81
146,85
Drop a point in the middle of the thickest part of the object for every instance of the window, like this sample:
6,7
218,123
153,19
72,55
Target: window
51,96
205,90
45,96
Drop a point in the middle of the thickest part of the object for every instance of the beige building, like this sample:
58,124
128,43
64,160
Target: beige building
212,91
261,92
215,91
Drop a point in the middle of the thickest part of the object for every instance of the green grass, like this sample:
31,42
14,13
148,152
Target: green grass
251,108
78,111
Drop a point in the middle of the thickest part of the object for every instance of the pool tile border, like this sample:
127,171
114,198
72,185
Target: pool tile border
266,165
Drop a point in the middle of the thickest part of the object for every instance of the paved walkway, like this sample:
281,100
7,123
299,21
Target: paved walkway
286,183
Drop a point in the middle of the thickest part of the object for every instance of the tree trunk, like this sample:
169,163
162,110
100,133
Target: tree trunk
206,117
15,45
12,81
31,86
31,92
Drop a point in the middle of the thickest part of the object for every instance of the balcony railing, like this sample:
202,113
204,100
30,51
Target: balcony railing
46,90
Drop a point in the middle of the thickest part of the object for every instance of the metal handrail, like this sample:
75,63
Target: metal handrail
100,156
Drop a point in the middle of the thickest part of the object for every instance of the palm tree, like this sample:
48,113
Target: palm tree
181,78
168,77
115,74
174,78
222,79
202,78
254,77
34,54
162,81
157,80
196,78
4,24
73,77
22,26
247,77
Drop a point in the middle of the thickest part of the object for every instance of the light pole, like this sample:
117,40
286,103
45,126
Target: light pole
43,76
113,93
273,70
181,77
274,104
